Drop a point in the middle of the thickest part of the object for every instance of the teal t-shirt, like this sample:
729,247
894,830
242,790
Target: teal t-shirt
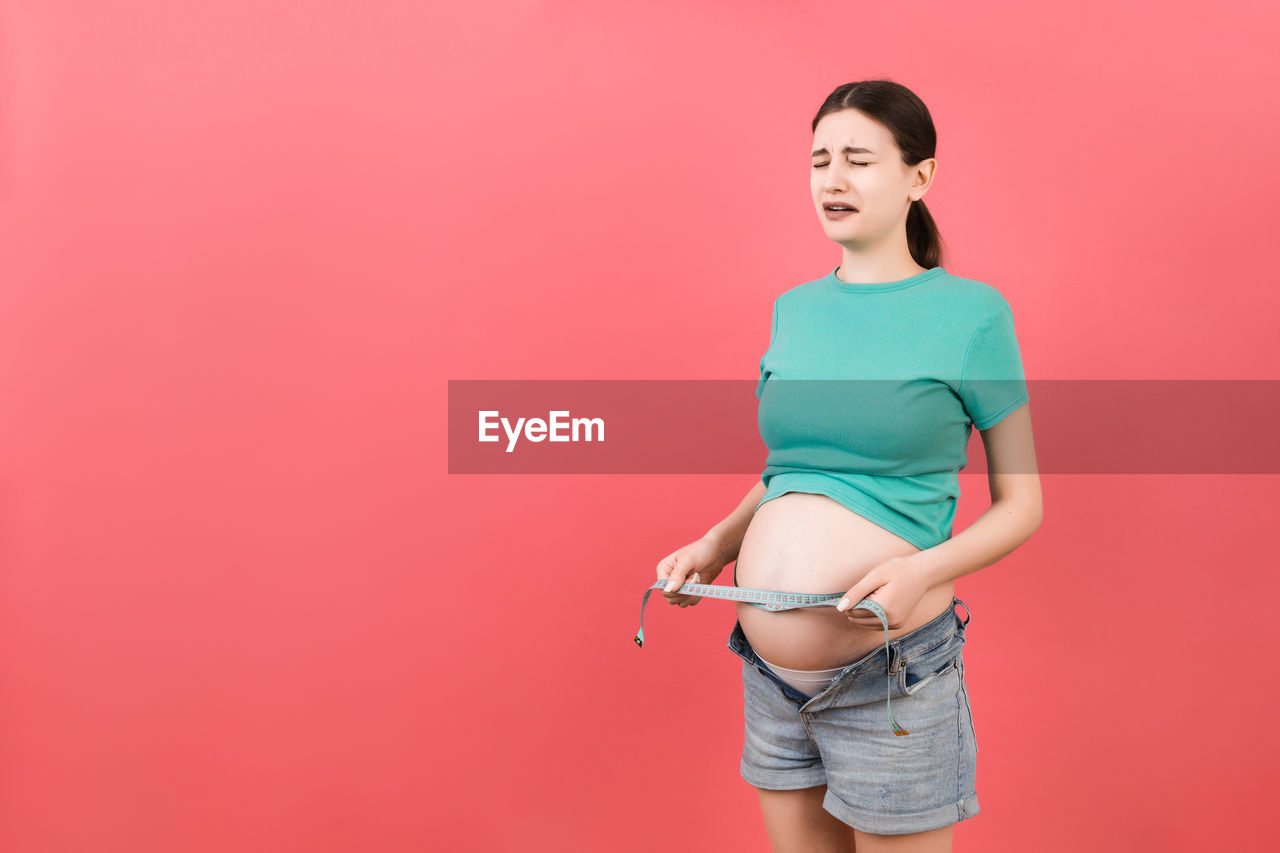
869,393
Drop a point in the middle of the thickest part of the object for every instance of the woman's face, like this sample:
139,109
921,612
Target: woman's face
870,177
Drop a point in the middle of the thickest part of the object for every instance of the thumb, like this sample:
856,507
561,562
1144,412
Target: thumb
676,579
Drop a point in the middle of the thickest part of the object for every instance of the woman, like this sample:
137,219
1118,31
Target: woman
859,494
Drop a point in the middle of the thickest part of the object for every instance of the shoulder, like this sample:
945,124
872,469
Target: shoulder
970,304
802,292
976,296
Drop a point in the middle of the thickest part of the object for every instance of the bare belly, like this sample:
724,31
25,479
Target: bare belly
801,542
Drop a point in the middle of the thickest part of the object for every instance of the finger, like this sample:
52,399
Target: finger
665,566
693,599
675,579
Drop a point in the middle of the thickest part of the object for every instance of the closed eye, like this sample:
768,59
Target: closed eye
851,163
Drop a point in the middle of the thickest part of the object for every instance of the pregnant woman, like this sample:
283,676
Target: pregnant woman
873,379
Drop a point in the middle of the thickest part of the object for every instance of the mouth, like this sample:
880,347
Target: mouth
838,212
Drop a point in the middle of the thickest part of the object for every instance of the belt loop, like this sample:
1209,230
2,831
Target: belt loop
968,614
895,656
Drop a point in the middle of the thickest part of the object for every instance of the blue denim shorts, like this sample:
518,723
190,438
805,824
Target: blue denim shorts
877,782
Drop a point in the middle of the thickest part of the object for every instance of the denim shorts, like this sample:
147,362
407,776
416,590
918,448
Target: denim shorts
877,782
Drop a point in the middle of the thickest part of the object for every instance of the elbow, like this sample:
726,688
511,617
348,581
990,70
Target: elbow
1033,507
1029,512
1035,515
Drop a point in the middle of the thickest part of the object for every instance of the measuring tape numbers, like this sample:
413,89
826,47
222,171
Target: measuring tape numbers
768,599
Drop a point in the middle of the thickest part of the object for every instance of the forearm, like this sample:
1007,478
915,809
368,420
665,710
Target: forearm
995,534
729,533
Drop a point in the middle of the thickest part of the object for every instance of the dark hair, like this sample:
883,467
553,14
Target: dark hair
907,118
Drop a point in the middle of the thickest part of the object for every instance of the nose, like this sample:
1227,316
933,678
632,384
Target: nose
834,178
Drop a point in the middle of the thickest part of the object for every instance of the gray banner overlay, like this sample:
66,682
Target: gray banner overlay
674,426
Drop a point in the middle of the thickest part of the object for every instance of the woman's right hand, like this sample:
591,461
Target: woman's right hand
697,562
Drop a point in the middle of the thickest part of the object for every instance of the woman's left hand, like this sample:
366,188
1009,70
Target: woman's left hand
895,585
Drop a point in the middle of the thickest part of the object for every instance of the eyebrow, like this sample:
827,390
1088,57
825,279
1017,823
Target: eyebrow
848,149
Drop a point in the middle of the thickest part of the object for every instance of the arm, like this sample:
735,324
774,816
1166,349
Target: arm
1016,506
728,534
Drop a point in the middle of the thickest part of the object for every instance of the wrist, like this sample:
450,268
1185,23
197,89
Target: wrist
923,565
725,547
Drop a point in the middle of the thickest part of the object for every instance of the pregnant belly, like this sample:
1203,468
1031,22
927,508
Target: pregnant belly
802,542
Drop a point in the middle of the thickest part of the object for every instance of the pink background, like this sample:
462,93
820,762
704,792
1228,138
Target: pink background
245,245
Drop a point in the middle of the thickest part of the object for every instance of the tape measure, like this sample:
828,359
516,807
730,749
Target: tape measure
768,599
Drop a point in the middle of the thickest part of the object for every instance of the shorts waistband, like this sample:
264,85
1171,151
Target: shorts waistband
907,647
928,636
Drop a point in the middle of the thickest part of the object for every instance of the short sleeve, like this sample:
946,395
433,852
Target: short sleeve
773,334
992,381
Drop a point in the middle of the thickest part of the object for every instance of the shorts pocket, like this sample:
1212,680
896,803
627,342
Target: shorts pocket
917,672
754,681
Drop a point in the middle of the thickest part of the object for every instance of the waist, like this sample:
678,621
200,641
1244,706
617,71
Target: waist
823,637
810,543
